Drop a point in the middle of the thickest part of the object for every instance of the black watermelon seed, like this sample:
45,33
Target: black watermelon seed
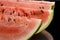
1,4
42,7
42,11
26,23
18,14
13,11
52,7
26,14
2,10
10,13
9,19
13,19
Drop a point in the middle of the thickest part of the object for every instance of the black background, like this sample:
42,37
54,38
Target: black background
54,27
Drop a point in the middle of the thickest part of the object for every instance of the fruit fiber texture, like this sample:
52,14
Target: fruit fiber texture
17,28
45,15
33,9
31,4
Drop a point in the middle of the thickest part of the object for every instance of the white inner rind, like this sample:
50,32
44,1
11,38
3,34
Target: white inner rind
43,27
33,31
50,18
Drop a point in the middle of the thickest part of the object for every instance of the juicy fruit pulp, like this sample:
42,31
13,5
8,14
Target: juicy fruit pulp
27,12
31,4
17,28
45,6
45,15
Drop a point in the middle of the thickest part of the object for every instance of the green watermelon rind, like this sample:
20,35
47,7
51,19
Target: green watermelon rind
33,32
53,6
38,28
50,20
39,24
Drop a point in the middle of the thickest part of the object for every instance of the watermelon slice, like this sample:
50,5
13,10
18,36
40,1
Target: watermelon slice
45,15
46,6
30,4
17,28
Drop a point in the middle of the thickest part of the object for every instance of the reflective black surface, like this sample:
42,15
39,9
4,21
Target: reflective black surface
54,27
44,35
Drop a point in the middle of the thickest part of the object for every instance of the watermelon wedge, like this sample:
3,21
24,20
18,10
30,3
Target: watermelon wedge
45,15
30,4
17,28
34,6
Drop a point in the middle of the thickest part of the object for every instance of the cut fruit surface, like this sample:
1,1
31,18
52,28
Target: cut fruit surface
47,22
33,9
45,15
17,28
29,4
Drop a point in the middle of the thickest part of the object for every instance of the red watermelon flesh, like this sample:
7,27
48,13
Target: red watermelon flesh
17,28
45,15
29,4
34,5
27,12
